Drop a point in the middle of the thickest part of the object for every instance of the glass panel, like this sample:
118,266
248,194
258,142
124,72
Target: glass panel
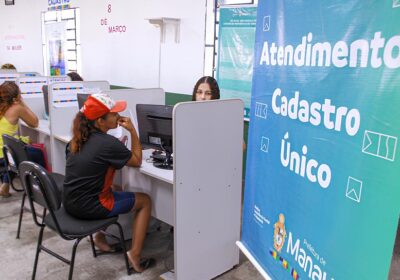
45,72
71,55
208,61
234,2
70,24
210,23
70,34
58,15
71,45
216,49
71,66
78,25
70,13
79,58
43,15
50,16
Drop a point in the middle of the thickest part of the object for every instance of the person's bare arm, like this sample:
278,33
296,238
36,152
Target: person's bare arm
136,147
26,114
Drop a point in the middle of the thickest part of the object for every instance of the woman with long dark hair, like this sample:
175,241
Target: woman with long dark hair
92,160
12,109
206,88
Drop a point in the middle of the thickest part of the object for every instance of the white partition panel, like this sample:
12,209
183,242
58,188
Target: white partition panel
29,74
55,79
208,139
31,90
8,75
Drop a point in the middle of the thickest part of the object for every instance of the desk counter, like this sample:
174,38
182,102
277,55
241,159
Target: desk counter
43,127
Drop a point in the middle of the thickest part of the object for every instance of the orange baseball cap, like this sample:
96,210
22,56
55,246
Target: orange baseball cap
99,104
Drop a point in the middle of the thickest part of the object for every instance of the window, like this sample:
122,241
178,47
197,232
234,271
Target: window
73,55
235,2
212,28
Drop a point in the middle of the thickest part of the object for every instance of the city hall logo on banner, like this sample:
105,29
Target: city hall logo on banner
279,233
305,255
279,242
58,5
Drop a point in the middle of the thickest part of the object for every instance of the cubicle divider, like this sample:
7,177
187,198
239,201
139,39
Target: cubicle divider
55,79
208,139
29,74
63,106
8,75
31,91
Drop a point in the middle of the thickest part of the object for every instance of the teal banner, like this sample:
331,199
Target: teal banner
322,195
237,28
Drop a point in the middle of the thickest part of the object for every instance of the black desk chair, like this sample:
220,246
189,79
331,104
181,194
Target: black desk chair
41,189
15,152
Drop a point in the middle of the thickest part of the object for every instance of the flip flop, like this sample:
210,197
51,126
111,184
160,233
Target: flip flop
145,263
115,249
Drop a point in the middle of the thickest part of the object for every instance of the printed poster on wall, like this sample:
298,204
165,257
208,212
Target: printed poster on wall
56,48
235,54
322,196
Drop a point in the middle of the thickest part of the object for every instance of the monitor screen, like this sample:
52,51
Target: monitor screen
81,99
155,129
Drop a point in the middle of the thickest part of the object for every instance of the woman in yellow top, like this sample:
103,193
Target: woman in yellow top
12,108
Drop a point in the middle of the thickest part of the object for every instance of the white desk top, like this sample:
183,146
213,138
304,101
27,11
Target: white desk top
149,169
63,138
43,127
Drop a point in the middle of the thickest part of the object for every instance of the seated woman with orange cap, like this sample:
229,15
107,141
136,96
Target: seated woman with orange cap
92,160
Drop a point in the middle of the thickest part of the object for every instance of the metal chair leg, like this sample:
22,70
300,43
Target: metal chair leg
21,213
71,265
93,248
11,177
39,244
122,241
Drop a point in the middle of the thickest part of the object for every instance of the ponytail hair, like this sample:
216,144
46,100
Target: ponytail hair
9,92
82,128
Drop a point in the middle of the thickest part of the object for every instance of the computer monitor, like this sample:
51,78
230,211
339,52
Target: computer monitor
45,90
81,99
155,130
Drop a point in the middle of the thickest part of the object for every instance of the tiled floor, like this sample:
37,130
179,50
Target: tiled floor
18,255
